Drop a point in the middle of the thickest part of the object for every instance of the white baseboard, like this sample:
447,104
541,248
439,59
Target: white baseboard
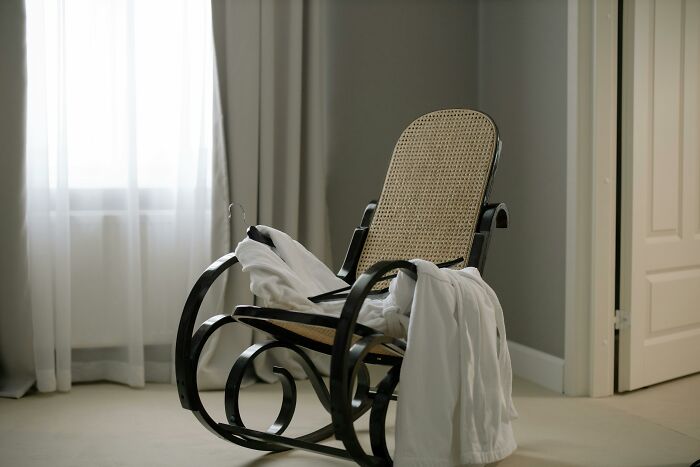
536,366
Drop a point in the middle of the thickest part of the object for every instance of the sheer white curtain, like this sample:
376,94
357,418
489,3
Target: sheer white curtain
119,186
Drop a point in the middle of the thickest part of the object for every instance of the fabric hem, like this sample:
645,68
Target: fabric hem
473,457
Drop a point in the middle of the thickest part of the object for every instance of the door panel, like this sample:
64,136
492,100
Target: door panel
660,210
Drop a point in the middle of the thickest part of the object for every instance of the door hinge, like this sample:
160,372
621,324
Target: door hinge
622,319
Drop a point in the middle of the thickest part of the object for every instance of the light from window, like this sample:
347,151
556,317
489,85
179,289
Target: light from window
120,91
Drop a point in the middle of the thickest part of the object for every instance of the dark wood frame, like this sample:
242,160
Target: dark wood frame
348,361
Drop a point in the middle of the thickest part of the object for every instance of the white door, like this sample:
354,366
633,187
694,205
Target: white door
660,213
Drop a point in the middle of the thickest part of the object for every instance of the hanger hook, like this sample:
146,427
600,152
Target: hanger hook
242,210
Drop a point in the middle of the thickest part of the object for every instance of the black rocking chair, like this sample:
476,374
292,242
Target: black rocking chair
434,205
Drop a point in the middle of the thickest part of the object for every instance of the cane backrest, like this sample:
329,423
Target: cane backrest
435,187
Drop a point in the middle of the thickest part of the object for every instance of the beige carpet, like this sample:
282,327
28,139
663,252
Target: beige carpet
111,425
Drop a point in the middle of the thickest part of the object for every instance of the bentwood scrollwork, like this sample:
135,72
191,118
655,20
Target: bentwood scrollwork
363,399
474,155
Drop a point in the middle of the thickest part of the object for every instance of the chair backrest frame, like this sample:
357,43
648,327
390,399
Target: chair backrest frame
477,237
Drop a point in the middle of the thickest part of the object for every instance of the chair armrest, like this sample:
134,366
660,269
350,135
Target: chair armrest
357,243
352,257
368,215
185,368
493,216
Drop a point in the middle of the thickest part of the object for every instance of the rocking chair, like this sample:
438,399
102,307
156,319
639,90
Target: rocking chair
433,206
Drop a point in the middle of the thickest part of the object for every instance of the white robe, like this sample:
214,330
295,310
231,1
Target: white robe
284,276
455,405
455,395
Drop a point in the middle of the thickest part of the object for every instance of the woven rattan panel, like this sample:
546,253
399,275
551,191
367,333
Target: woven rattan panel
323,334
434,189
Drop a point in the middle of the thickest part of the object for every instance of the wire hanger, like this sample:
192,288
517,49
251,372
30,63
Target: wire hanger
252,231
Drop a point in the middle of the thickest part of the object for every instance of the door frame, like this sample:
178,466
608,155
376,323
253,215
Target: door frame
592,42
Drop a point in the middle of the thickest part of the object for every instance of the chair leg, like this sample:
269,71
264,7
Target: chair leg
188,350
343,406
380,406
189,393
345,430
348,355
270,440
361,402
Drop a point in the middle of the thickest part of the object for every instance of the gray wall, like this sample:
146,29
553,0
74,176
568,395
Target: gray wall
16,357
393,60
522,85
390,61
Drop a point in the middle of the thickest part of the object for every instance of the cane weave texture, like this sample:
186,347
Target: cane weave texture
434,190
323,334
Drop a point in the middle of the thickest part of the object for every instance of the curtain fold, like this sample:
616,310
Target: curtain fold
271,79
120,192
16,356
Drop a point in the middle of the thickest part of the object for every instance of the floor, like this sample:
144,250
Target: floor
111,425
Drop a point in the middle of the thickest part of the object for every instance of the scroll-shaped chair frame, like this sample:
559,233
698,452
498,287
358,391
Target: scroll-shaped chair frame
351,349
